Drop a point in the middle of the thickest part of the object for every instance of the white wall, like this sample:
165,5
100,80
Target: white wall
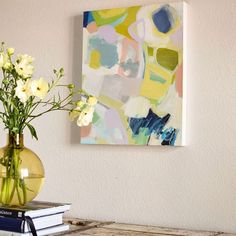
190,187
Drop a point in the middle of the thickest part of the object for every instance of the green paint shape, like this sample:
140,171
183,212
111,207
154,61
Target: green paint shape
142,138
150,51
95,118
119,21
157,78
154,102
167,58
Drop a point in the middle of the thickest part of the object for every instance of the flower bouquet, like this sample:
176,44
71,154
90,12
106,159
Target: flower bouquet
24,99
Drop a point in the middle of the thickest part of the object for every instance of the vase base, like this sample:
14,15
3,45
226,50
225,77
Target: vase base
17,192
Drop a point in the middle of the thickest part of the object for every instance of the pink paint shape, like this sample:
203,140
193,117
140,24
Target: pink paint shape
92,27
108,33
179,80
126,44
133,28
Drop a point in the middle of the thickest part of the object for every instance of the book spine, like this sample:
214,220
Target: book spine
12,213
12,225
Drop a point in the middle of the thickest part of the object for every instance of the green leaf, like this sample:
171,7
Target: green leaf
32,131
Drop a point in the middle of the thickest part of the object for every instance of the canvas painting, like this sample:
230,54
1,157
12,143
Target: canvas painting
133,63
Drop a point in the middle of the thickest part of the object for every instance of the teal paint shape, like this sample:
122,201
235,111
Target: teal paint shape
109,54
157,78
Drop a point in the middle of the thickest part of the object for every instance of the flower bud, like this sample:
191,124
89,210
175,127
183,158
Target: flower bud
73,114
1,60
10,51
92,100
61,71
70,86
80,104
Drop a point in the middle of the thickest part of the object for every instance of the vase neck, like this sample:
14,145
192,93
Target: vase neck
15,140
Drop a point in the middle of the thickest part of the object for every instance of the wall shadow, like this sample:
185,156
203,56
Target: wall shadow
77,48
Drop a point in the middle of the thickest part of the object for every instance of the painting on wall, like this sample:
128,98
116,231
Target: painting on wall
133,63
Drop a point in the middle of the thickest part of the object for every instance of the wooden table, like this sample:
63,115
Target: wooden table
85,228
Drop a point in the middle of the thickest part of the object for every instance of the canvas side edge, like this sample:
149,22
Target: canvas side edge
185,66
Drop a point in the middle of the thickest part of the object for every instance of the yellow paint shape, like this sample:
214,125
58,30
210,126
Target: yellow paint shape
109,13
95,57
129,20
154,89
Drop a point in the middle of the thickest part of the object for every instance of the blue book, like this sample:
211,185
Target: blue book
21,226
42,232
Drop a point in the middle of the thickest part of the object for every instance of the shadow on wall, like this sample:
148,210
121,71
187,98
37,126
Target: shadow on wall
77,47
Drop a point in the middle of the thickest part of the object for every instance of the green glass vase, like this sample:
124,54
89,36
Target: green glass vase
21,173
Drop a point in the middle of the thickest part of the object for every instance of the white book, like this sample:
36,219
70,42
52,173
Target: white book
45,222
34,209
42,232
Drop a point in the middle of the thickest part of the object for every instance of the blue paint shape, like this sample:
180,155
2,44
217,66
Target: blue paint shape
152,122
109,54
163,19
169,136
88,18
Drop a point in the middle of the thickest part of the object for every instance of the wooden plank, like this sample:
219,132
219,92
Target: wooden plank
78,225
112,232
158,230
225,234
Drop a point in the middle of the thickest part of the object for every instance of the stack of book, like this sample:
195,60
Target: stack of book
35,218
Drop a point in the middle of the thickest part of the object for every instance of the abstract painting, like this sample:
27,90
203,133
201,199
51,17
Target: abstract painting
133,63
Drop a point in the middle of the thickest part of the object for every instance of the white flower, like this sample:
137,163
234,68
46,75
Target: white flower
39,88
7,65
24,66
4,61
85,116
22,90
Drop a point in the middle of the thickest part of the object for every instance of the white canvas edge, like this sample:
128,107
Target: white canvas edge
184,99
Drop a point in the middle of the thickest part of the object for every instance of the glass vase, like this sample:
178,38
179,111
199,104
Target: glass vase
21,173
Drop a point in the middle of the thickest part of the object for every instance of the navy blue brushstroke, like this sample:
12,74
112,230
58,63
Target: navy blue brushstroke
169,136
154,124
88,18
162,19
